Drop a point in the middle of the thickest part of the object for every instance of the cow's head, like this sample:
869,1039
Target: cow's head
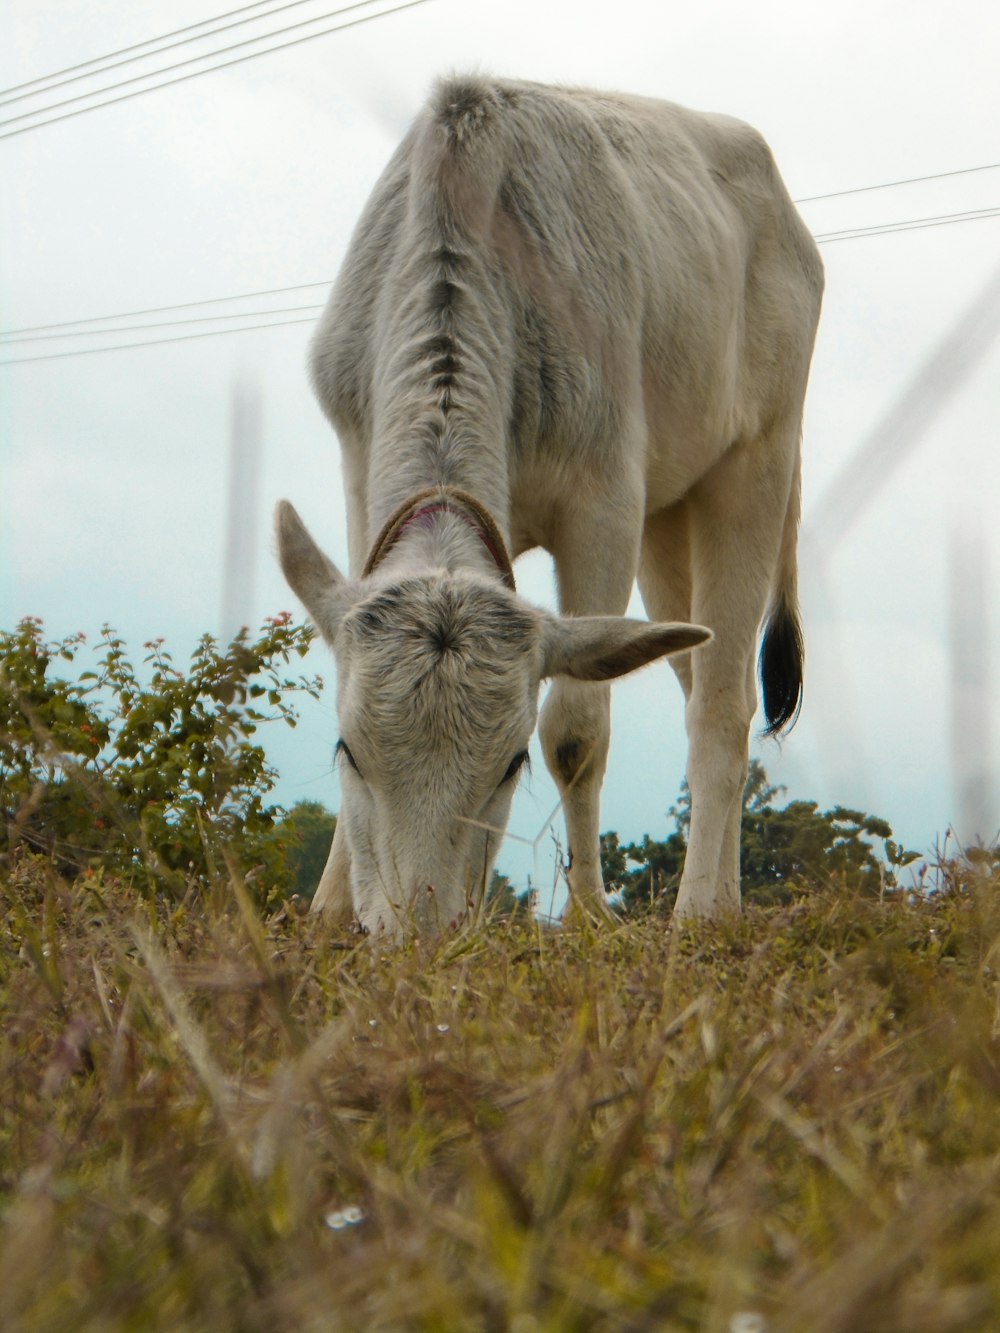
437,695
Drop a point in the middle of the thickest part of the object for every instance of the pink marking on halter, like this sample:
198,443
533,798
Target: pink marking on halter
466,507
443,506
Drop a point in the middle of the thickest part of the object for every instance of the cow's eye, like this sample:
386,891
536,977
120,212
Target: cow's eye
514,767
341,748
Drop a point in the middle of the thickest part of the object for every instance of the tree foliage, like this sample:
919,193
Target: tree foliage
159,781
781,850
502,898
306,832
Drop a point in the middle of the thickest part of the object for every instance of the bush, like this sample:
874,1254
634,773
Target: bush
160,782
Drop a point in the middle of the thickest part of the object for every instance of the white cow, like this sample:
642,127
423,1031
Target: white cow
574,320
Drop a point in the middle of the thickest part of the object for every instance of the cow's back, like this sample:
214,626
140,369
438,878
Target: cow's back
613,255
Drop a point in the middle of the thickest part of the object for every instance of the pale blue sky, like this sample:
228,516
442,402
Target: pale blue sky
112,491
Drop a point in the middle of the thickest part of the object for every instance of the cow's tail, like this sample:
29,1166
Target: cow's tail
782,651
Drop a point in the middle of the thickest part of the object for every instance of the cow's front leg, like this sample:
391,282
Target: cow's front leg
333,894
575,731
596,552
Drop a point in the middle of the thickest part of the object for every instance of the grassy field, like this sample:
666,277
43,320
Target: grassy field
789,1122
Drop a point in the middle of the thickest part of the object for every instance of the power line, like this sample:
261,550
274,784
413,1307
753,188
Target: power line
42,332
6,99
180,64
160,324
908,224
889,185
109,55
151,342
194,74
192,60
162,309
833,194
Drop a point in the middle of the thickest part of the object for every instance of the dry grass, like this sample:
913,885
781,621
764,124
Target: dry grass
788,1122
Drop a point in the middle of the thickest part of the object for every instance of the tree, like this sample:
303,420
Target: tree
503,899
304,835
780,850
657,871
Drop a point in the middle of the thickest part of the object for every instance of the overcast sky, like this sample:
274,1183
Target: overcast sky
113,488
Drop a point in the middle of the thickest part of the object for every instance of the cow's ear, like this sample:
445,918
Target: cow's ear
603,647
314,578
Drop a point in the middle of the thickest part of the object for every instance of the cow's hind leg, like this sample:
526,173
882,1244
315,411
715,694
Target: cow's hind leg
596,552
666,586
737,517
665,576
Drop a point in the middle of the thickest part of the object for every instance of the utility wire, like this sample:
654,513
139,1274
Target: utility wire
194,74
180,64
162,309
152,342
161,324
6,93
6,98
908,224
889,185
11,336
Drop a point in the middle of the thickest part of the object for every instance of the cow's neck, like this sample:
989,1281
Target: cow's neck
440,527
442,396
416,448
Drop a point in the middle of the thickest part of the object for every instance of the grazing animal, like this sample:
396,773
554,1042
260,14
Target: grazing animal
581,321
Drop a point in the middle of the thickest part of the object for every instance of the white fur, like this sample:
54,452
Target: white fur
594,313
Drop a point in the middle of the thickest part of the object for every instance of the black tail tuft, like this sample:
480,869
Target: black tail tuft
781,658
